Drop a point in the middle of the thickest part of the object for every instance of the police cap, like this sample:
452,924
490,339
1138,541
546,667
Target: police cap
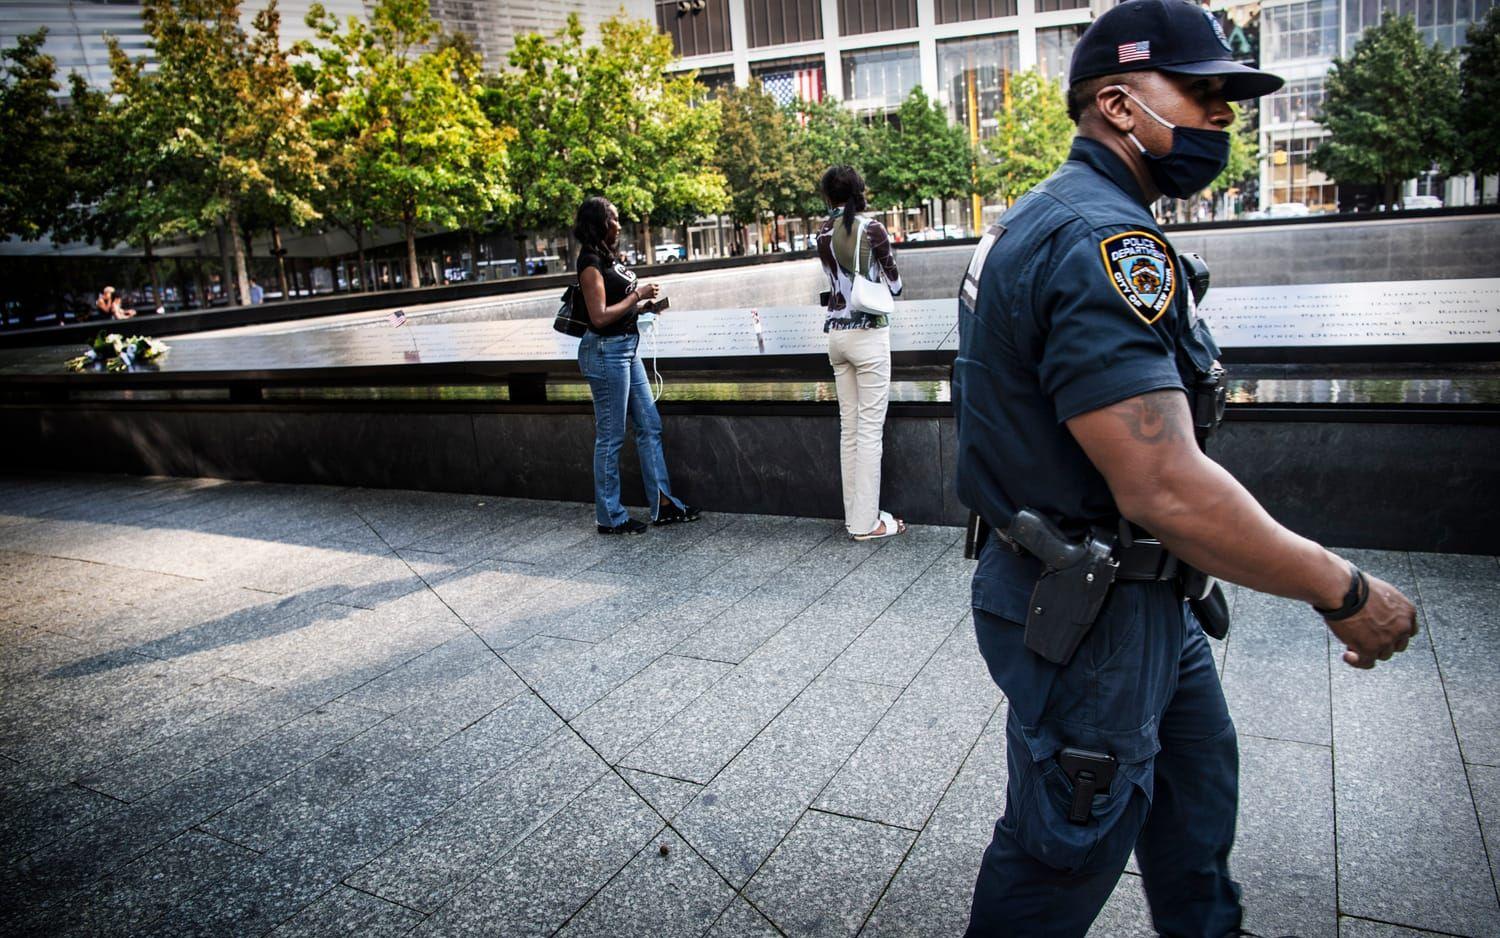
1176,36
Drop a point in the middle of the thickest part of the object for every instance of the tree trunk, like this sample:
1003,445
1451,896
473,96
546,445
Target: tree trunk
152,274
280,254
409,228
359,250
473,254
226,270
241,273
650,251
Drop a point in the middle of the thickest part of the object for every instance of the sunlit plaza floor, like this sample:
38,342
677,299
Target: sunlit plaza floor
233,709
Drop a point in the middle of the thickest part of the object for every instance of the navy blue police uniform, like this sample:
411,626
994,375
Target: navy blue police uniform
1076,302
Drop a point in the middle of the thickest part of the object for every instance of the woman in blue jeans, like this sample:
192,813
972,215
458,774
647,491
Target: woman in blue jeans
608,357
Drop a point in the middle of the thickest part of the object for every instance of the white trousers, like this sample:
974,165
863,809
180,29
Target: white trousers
861,360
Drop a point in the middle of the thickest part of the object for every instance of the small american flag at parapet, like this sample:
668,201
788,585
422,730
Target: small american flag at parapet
398,318
804,84
1135,51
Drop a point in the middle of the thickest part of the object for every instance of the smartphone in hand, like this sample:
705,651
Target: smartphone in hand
658,305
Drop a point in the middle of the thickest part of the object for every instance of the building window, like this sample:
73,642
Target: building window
1054,50
778,22
880,79
976,70
1305,30
1050,6
791,80
702,28
1292,177
715,78
1445,22
1300,100
875,16
963,11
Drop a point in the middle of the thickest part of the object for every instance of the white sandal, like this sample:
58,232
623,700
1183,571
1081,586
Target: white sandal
890,526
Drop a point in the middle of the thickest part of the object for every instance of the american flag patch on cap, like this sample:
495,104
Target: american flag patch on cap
1134,51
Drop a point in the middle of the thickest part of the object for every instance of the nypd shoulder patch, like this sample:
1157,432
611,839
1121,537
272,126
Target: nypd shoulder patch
1140,267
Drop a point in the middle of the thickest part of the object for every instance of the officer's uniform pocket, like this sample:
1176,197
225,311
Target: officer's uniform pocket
1043,799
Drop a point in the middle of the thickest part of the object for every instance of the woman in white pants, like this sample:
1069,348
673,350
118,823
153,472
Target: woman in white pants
859,348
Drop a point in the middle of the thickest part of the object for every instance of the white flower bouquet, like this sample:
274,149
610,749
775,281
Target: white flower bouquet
115,352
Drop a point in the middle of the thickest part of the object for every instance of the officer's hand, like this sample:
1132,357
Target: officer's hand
1383,627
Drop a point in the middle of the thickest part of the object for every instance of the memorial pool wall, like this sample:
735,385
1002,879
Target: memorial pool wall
1406,477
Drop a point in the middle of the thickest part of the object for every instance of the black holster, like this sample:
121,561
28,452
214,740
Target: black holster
1067,598
1206,598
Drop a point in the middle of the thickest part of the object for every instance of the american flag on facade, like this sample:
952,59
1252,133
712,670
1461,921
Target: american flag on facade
803,84
398,318
1134,51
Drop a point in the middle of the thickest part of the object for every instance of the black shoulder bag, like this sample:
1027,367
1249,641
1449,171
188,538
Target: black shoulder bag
572,316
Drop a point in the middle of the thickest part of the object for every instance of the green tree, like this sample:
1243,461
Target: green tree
199,99
427,155
755,155
920,156
1480,89
543,98
284,175
1244,150
1391,108
127,187
342,133
33,146
657,131
1031,140
829,134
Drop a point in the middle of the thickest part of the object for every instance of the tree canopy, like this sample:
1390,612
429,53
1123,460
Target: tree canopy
1391,108
1479,83
1032,138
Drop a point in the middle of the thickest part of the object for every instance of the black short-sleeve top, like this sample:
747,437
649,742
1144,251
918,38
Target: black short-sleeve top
618,281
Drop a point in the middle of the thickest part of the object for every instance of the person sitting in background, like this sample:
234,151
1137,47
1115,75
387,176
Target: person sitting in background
111,306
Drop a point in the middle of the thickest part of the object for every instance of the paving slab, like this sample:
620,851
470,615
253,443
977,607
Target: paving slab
139,893
743,920
1409,847
345,911
931,892
1463,623
900,772
738,819
665,890
1484,782
635,709
743,670
1275,671
548,877
452,848
1126,914
827,875
1350,927
1284,844
666,796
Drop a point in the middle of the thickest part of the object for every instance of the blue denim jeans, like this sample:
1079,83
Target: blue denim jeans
618,382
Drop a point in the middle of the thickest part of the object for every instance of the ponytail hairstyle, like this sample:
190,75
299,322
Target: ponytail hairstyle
843,185
591,227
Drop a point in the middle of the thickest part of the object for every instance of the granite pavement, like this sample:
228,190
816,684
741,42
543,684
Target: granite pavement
245,709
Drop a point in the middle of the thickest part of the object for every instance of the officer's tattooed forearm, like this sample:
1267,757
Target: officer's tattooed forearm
1158,417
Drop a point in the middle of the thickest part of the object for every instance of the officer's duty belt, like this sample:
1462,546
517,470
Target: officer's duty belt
1145,559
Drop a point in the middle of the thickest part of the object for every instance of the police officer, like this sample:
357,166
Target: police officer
1082,383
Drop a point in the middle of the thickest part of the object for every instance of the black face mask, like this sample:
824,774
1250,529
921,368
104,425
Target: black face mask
1196,159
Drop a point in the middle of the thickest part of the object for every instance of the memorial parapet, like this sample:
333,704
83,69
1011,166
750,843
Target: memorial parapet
1409,321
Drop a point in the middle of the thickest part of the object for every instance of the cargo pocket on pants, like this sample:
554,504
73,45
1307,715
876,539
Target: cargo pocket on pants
1045,799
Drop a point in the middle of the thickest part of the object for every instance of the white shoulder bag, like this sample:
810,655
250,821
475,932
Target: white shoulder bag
868,296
